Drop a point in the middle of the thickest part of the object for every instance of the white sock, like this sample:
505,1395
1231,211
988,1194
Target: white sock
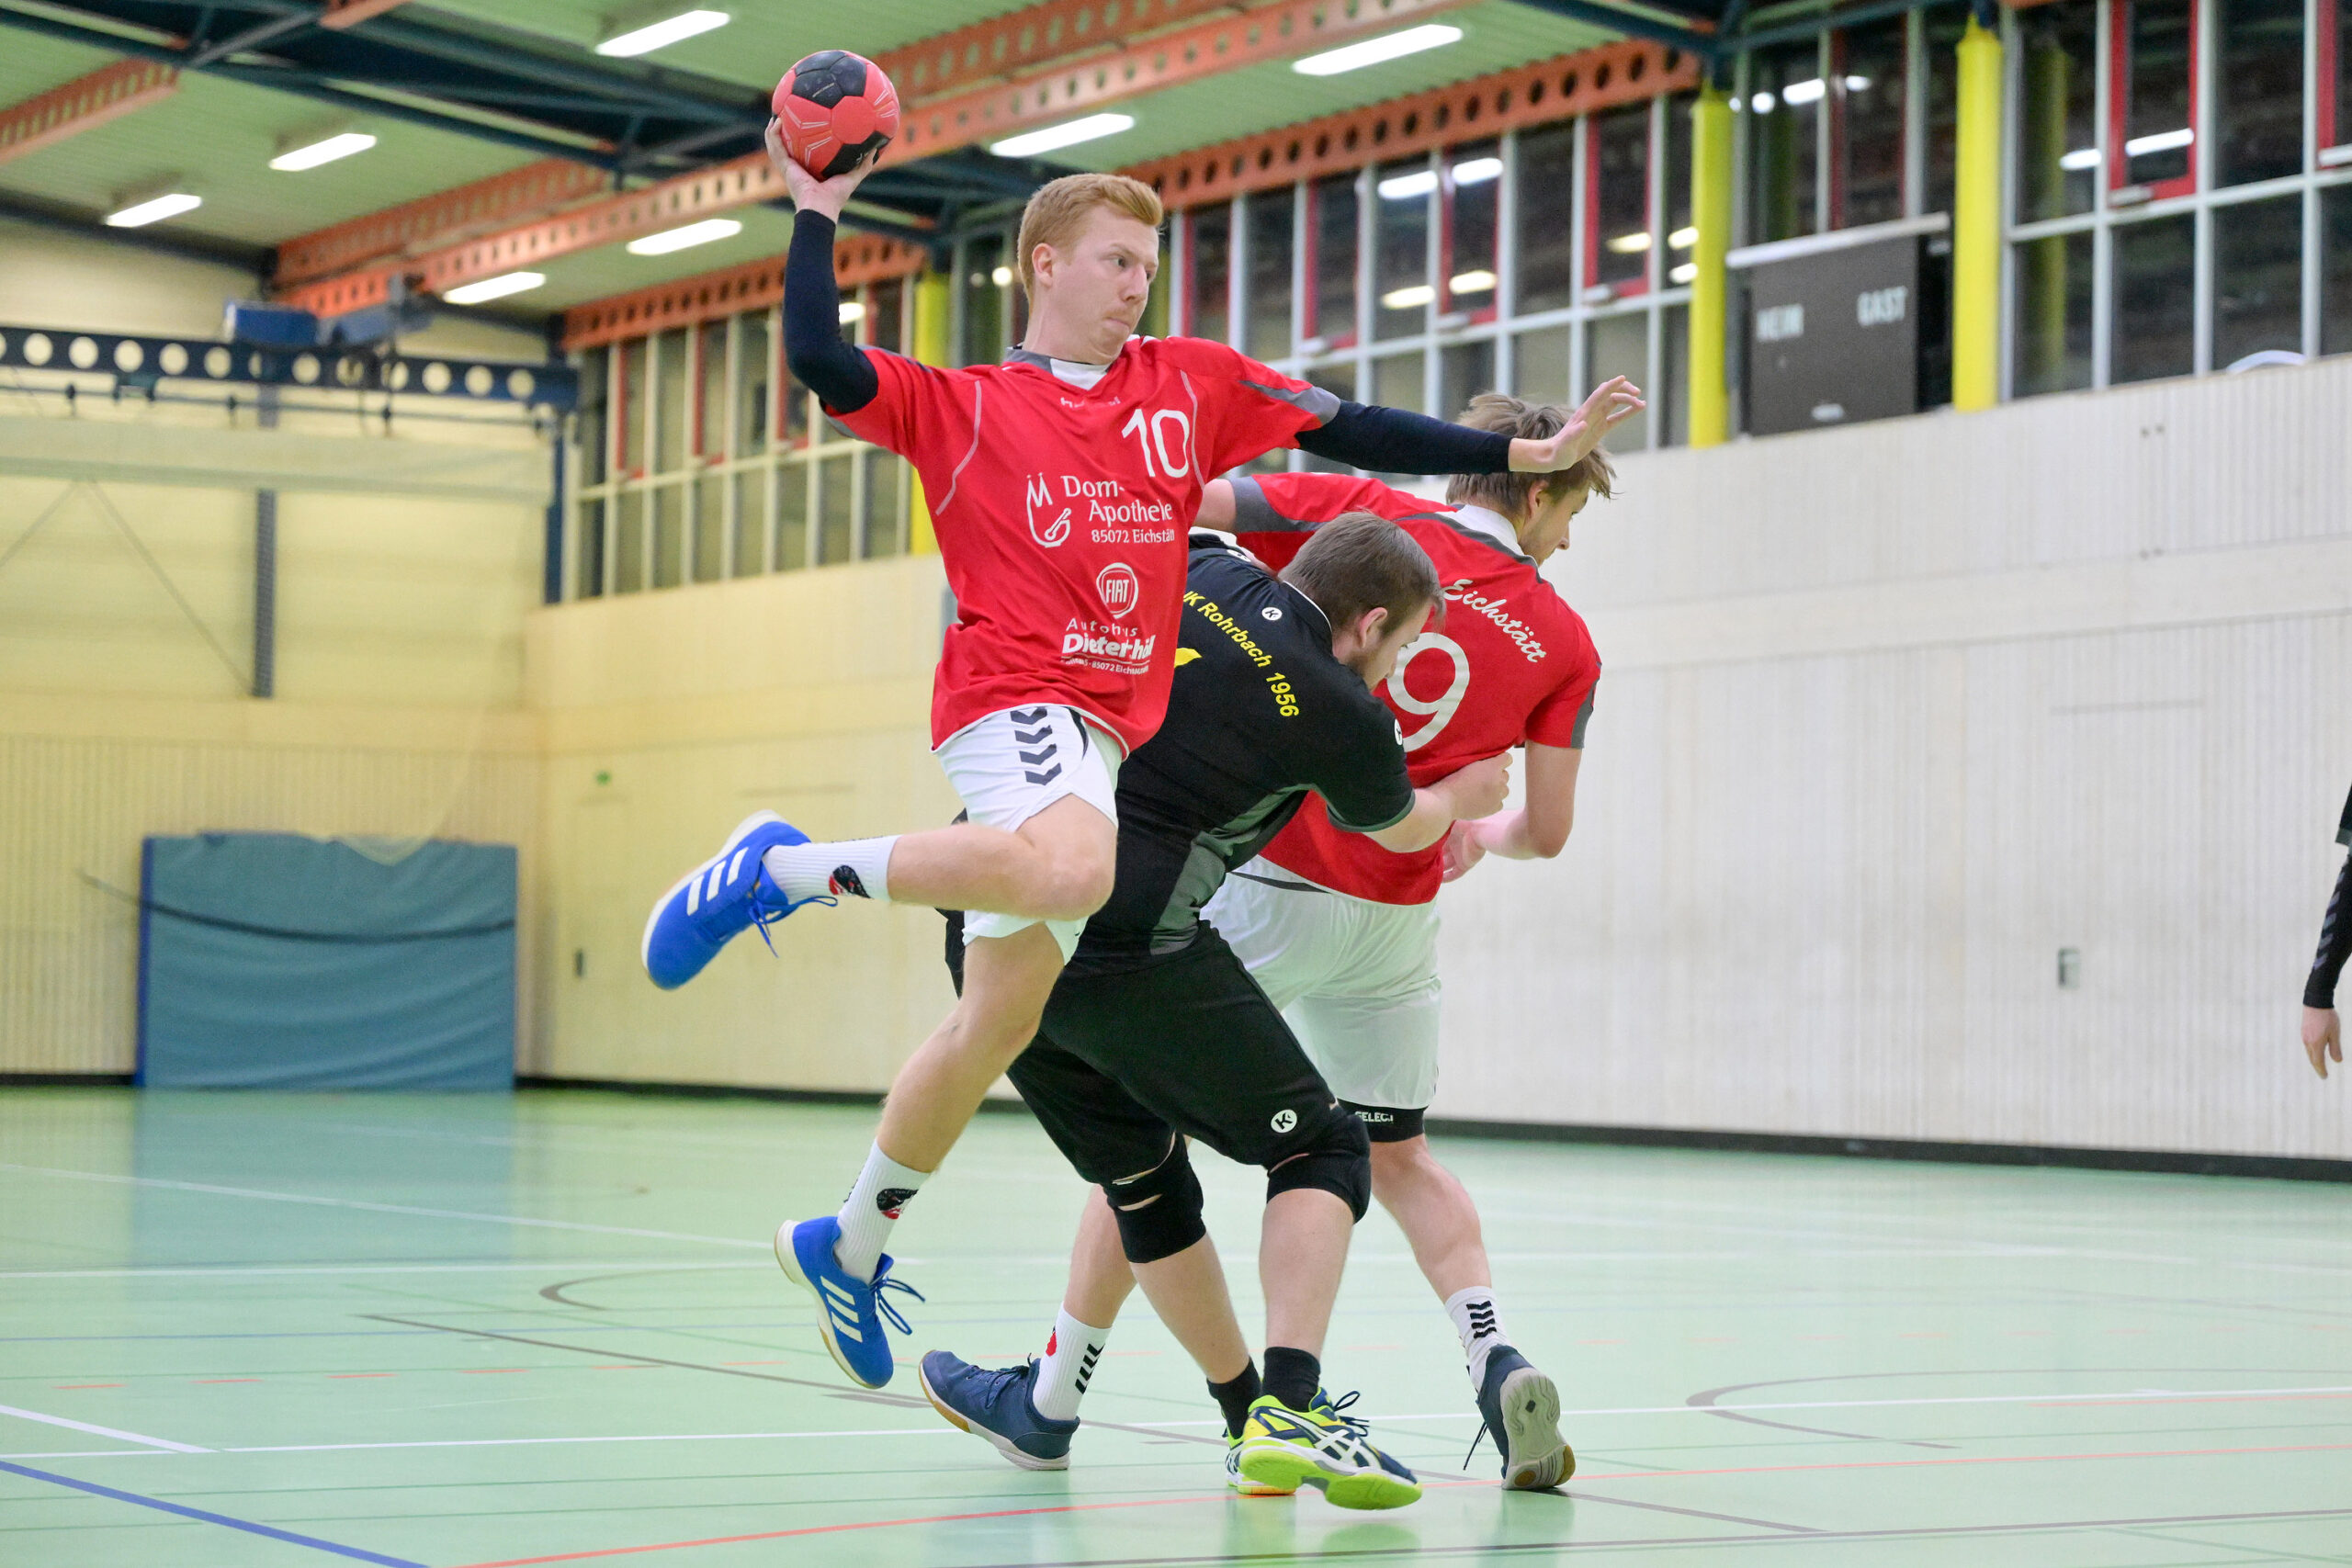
856,868
1067,1367
1480,1325
883,1188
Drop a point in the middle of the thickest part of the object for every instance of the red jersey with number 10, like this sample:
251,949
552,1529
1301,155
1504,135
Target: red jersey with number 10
1511,664
1062,512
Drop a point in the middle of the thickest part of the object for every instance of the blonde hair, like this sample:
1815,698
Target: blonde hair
1057,213
1521,420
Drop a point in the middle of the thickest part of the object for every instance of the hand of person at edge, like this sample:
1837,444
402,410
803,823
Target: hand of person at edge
1464,849
811,194
2322,1037
1612,402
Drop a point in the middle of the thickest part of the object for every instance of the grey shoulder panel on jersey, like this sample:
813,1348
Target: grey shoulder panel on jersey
1314,400
1584,716
1253,513
2344,830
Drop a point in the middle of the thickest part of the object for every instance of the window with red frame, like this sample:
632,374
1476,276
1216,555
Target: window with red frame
2153,99
1331,265
1208,271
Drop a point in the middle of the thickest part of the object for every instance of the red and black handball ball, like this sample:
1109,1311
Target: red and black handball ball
836,108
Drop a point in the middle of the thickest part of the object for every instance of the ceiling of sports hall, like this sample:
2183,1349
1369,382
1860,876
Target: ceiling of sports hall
202,96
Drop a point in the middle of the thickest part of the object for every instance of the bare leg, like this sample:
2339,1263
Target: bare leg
1187,1289
1058,866
1099,1278
1435,1212
1006,982
1302,1251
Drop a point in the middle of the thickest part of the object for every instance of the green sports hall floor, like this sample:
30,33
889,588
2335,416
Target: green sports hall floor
267,1330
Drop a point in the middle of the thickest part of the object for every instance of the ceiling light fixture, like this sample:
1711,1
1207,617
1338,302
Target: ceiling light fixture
1684,273
1477,170
153,205
1804,92
686,238
1377,51
1479,281
1762,103
1631,245
1683,239
637,35
497,288
1404,187
309,152
2081,158
1412,297
852,311
1070,133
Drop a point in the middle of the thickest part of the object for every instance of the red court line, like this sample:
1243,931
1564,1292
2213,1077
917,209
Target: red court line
1430,1487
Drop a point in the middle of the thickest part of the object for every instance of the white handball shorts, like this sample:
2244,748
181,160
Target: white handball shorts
1016,762
1355,979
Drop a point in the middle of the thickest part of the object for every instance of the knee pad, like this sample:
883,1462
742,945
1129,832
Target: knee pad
1158,1212
1338,1162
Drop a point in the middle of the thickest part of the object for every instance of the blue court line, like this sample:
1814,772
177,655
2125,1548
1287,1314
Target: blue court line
246,1525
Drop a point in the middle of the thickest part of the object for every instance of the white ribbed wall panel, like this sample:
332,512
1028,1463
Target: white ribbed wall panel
1892,715
77,805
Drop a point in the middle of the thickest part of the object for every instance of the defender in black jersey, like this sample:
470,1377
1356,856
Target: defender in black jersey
1156,1032
2322,1030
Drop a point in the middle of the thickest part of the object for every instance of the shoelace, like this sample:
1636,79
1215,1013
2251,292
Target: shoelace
764,915
1483,1430
882,1282
1355,1426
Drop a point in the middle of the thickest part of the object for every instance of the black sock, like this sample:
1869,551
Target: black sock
1293,1376
1235,1397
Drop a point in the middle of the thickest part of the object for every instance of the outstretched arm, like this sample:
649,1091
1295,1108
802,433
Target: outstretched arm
1396,442
1472,792
825,363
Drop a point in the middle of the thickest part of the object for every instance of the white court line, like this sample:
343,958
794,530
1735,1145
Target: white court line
165,1443
235,1270
380,1208
943,1429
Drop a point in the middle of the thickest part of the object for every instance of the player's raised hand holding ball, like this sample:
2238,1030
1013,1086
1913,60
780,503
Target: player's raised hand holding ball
835,112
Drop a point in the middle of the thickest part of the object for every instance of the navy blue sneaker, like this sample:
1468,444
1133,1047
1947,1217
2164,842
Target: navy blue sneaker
1521,1409
996,1404
716,901
850,1311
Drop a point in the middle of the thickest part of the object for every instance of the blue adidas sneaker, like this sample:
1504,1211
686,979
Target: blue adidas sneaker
716,901
850,1310
997,1404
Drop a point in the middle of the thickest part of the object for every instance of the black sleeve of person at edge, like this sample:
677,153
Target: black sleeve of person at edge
824,362
1391,441
2336,931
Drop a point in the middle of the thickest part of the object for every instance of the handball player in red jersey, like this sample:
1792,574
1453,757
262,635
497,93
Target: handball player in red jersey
1062,483
1341,934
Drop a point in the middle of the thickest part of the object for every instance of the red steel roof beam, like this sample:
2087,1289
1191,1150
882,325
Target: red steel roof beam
341,14
1537,94
108,93
754,286
1279,31
530,191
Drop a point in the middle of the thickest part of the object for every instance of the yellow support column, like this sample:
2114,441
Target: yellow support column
1976,225
1710,213
928,336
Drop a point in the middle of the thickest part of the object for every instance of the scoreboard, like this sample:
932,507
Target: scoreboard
1844,334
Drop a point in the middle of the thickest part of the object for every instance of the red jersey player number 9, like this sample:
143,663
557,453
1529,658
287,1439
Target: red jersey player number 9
1419,655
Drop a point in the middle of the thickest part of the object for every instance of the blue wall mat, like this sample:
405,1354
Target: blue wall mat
272,961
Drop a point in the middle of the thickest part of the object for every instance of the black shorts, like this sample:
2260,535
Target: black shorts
1183,1043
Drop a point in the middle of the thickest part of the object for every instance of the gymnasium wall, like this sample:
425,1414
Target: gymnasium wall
667,718
407,559
1893,714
